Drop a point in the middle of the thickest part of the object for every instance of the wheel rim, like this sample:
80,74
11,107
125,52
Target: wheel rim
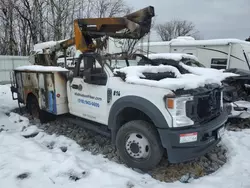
137,146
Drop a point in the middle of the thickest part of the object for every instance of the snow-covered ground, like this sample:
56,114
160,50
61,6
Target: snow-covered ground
42,166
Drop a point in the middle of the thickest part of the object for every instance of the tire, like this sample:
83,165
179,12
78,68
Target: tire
146,152
33,107
35,111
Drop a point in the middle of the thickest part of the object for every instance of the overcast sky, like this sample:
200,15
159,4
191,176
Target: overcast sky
213,18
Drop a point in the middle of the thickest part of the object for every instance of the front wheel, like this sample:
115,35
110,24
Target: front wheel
138,145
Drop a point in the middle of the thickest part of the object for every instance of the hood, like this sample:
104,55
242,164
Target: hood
165,76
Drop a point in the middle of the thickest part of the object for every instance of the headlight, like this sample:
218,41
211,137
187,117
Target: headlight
177,108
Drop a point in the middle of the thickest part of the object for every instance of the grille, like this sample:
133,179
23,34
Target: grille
204,107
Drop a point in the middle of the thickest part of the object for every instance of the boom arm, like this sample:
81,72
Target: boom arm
132,26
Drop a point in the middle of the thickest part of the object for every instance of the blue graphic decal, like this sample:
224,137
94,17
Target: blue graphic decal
52,102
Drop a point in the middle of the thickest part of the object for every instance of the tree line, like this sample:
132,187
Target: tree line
24,23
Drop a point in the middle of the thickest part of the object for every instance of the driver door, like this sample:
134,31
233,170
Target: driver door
88,101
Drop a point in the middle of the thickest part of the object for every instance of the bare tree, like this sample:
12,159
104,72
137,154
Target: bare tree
24,37
24,23
248,39
7,35
126,45
61,14
29,11
108,8
175,28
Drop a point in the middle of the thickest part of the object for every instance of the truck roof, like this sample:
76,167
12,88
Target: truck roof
40,68
189,41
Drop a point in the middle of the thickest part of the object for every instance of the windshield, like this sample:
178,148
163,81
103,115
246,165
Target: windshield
141,60
120,63
124,62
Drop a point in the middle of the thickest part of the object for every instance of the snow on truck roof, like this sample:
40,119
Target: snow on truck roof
40,68
189,41
172,56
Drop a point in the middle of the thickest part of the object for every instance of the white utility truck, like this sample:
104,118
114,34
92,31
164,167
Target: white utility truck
145,116
214,53
147,110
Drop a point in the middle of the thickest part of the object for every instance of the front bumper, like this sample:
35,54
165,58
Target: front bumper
207,138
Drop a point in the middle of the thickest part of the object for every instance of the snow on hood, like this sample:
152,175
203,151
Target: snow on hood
41,68
182,81
172,56
137,71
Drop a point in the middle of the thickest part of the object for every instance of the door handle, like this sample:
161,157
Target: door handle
74,86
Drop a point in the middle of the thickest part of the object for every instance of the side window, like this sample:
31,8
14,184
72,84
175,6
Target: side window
219,63
94,72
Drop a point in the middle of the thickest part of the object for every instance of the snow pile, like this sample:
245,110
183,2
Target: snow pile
6,101
31,130
134,75
41,68
172,56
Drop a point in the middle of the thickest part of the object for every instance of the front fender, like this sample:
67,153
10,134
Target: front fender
138,103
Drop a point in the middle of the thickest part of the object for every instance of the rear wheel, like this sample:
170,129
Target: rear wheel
138,145
36,112
33,107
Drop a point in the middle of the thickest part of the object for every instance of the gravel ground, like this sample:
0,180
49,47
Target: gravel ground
98,144
238,124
